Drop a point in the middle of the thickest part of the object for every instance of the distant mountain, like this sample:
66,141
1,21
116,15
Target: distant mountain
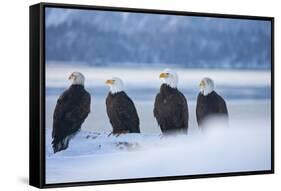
114,38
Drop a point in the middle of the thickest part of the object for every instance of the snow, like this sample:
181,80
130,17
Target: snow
243,146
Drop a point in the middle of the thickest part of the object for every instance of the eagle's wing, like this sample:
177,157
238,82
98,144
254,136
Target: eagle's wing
199,109
184,108
127,114
61,106
180,119
72,115
156,108
80,111
59,112
222,107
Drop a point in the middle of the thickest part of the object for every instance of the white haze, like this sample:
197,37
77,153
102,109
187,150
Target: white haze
243,146
57,76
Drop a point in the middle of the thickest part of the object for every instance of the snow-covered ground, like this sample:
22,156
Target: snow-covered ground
92,155
244,146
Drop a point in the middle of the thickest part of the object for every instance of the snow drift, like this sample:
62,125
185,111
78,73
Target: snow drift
243,146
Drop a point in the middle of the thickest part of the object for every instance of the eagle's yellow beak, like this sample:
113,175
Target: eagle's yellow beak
109,82
202,84
164,75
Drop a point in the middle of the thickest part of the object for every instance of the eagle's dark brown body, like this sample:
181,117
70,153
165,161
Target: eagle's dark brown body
72,108
122,113
171,110
210,105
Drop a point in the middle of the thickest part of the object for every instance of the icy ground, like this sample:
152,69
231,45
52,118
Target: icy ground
244,146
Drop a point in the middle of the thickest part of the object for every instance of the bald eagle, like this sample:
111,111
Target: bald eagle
120,109
209,103
170,107
72,108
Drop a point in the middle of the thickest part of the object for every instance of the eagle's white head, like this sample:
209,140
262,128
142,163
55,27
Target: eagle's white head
206,86
115,84
170,77
77,78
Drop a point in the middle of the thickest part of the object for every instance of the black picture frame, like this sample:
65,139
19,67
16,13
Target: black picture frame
37,92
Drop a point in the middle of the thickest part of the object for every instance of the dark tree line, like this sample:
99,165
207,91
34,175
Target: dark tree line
209,44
